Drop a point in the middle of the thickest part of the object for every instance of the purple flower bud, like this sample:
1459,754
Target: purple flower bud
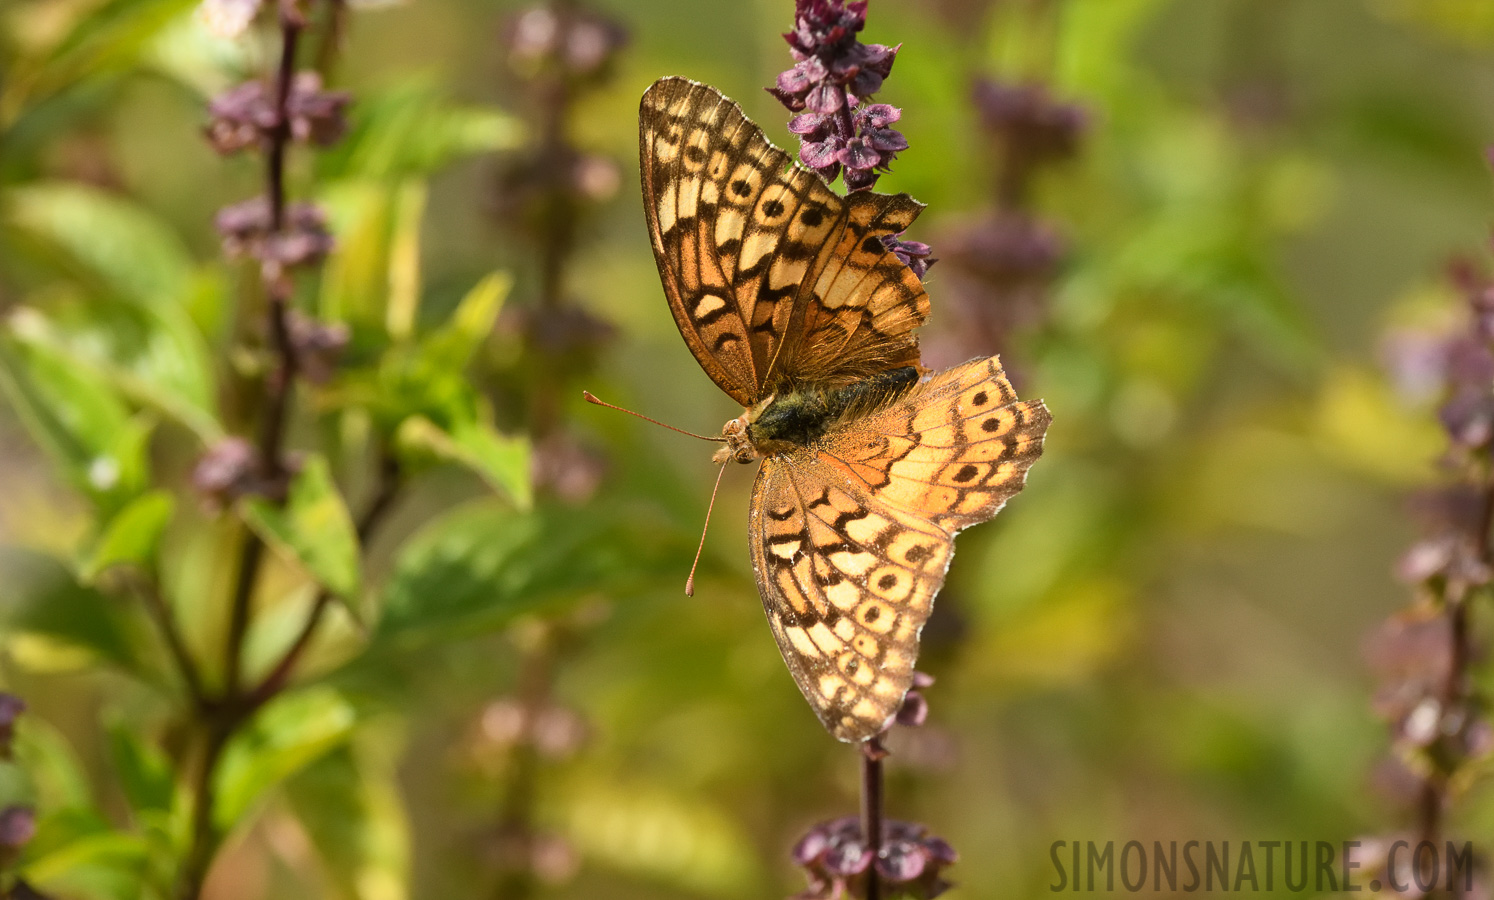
17,827
812,846
241,116
1029,121
821,157
858,154
836,860
825,98
878,115
914,710
246,231
245,115
865,83
846,854
11,708
860,179
914,255
575,43
804,75
316,115
226,471
885,141
318,346
901,861
231,469
808,124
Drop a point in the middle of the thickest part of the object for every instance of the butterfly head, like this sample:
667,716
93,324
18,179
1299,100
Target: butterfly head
739,444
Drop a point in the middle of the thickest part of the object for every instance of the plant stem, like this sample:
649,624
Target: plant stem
378,507
516,817
221,718
161,613
278,385
205,839
872,754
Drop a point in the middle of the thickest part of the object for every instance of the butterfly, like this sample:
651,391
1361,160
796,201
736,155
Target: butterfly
793,305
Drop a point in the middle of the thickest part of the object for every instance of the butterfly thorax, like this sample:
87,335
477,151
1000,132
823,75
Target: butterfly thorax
799,417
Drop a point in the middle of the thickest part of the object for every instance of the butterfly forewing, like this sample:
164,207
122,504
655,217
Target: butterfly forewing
851,539
860,311
772,278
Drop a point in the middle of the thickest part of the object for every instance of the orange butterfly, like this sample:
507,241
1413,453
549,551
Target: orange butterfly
792,304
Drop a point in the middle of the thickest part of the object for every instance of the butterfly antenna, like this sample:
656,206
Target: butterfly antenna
591,398
690,582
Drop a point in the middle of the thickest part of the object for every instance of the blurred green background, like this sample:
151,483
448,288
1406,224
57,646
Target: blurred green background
1160,639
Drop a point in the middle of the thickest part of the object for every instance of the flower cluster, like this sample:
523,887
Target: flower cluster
838,860
833,76
245,116
232,468
578,44
1423,654
248,230
1031,126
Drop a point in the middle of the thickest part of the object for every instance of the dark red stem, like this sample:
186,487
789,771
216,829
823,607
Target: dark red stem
872,754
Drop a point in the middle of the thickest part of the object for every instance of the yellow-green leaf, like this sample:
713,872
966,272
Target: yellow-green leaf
313,528
131,536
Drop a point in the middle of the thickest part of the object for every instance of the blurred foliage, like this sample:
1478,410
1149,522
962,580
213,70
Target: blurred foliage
1158,640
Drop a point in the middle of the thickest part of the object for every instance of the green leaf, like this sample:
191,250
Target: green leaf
478,567
58,781
145,774
456,342
155,355
662,834
313,528
403,306
355,279
111,242
289,734
107,866
410,130
104,39
78,419
350,807
55,623
501,461
131,536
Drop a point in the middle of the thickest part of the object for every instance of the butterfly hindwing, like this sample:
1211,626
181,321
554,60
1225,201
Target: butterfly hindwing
851,540
772,278
847,585
954,449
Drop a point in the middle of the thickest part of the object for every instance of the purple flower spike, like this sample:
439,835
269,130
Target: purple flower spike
832,77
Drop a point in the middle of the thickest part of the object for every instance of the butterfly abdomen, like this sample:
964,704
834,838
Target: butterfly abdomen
801,417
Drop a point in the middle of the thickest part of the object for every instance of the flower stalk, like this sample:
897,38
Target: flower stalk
1424,654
